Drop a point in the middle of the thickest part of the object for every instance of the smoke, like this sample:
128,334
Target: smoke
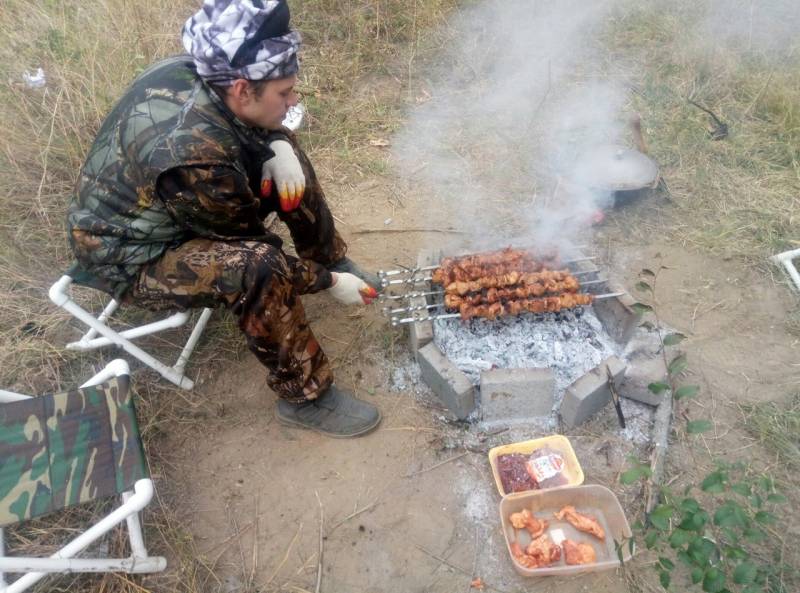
523,91
526,89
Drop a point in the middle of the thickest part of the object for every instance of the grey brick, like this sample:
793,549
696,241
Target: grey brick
509,394
447,382
617,316
590,393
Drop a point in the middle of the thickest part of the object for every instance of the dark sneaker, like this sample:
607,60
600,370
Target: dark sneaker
335,413
348,266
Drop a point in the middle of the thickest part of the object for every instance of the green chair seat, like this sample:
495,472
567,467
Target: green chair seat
68,448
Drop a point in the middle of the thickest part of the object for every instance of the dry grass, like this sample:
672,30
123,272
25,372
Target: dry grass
734,197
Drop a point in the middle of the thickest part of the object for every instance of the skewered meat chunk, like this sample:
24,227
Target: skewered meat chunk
581,522
510,279
541,305
543,550
493,295
578,553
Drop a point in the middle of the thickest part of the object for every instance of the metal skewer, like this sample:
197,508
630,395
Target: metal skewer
414,318
413,271
419,280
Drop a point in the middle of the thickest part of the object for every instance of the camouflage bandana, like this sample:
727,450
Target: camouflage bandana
250,39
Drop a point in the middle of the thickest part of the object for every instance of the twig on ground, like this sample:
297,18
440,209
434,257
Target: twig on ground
435,465
285,556
409,230
238,533
321,538
353,514
455,567
255,549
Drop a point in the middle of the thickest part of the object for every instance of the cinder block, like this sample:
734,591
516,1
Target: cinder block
447,381
617,316
509,394
590,393
644,370
420,334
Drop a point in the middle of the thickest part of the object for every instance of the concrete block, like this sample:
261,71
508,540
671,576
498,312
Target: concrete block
510,394
420,334
447,382
641,372
616,315
590,393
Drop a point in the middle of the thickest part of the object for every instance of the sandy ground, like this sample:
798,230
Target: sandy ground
252,491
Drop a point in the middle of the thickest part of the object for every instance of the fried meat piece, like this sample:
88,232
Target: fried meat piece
581,522
543,550
526,520
578,553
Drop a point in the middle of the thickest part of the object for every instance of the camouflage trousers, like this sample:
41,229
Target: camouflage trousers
257,282
261,285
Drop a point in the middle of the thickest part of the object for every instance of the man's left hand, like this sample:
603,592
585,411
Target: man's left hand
285,171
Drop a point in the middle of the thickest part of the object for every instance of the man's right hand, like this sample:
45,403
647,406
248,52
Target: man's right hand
351,290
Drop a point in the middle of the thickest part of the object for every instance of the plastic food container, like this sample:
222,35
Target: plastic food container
595,500
571,471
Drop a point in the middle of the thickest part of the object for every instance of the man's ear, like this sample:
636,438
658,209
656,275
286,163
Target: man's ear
240,91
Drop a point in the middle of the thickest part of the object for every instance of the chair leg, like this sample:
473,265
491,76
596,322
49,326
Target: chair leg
192,341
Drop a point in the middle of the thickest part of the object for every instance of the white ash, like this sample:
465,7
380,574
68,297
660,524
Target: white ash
570,343
638,421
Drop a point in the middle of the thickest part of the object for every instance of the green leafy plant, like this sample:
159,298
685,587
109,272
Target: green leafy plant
677,363
716,541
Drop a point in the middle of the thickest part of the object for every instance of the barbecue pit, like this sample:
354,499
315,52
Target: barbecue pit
514,368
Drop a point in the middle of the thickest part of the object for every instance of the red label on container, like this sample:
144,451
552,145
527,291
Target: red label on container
546,466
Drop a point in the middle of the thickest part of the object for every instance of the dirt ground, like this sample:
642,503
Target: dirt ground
252,491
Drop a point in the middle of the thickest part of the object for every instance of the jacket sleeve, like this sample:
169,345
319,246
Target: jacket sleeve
212,201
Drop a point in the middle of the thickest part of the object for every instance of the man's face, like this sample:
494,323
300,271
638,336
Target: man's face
267,108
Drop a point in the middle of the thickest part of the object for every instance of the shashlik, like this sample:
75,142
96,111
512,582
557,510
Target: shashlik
510,279
493,263
538,305
492,295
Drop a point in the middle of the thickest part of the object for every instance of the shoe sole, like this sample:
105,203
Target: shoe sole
333,435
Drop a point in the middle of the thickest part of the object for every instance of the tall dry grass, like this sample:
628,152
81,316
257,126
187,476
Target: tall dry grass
90,51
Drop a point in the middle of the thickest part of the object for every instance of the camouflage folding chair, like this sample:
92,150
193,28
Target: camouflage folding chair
69,448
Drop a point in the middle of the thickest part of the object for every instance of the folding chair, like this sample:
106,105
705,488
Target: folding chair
68,448
785,260
99,325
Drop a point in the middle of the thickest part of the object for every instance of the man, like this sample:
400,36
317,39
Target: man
169,206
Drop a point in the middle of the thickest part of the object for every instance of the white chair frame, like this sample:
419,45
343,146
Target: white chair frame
59,294
785,260
133,501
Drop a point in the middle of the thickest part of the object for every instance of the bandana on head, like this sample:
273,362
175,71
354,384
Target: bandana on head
251,39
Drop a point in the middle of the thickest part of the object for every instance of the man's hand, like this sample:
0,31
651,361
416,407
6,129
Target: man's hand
351,290
285,171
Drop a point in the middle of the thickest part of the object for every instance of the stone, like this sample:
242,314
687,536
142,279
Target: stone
420,334
447,381
643,371
617,315
590,393
511,394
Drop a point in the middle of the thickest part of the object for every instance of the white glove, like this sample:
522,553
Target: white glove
351,290
285,171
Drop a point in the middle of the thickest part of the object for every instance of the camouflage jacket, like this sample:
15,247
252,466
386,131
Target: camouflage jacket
168,125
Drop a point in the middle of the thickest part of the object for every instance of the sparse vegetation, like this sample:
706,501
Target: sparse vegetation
737,197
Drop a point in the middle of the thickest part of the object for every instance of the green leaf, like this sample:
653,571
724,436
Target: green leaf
651,538
698,426
736,553
699,520
696,575
754,534
679,538
686,391
673,339
664,578
730,514
765,517
690,505
643,287
660,517
745,573
756,501
776,498
741,489
765,483
666,563
658,387
684,557
678,365
713,580
714,482
647,272
700,551
634,474
641,308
